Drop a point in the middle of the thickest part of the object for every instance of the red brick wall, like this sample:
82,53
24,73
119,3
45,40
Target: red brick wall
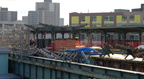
59,44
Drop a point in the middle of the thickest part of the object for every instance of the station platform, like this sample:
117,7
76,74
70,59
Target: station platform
119,57
119,61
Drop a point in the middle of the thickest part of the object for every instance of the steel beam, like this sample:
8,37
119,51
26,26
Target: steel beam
77,69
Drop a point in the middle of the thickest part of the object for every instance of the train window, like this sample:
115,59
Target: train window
121,37
31,35
39,36
99,37
111,37
93,37
83,36
134,36
96,37
131,37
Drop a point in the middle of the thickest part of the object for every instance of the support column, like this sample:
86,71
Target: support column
28,39
43,38
105,40
124,38
140,38
63,35
52,41
55,35
73,34
89,39
52,36
34,35
37,39
119,38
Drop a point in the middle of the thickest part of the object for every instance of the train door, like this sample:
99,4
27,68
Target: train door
96,39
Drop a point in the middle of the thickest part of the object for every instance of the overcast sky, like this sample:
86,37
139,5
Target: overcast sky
68,6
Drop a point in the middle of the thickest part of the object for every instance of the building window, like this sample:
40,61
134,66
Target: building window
131,18
108,18
111,18
108,24
82,18
93,25
93,18
105,18
124,18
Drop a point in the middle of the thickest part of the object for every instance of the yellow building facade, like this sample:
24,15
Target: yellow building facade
106,19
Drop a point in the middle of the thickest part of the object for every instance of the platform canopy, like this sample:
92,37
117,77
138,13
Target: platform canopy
132,28
51,28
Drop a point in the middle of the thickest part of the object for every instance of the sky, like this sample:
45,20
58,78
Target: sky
68,6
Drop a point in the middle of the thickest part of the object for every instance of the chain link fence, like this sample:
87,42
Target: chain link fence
16,39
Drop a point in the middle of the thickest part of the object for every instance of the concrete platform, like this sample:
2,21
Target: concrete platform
120,57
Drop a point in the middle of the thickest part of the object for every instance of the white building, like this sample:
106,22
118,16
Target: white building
46,12
25,19
61,22
33,17
48,1
10,25
6,15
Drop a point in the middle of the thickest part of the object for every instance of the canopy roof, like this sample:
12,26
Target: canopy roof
132,28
